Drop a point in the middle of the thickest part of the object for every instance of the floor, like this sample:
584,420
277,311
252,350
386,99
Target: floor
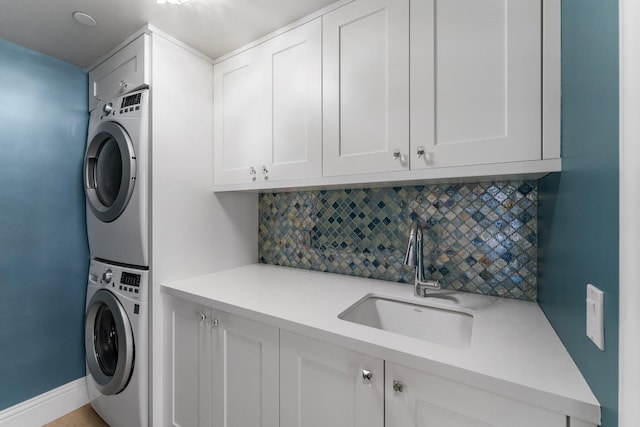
81,417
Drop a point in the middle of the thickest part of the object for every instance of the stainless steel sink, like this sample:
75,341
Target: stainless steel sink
443,326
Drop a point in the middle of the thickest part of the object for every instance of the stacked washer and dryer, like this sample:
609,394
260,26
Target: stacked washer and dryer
116,182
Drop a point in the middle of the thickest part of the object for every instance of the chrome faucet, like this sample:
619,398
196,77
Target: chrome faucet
413,258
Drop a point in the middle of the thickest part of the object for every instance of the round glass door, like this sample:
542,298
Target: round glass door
109,171
109,343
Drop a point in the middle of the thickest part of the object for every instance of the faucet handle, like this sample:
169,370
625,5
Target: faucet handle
421,287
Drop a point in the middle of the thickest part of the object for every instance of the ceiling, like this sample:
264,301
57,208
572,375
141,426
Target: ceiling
214,27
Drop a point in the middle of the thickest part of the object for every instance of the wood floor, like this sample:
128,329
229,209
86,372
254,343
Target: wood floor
81,417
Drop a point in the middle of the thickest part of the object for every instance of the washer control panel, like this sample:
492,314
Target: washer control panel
129,282
107,276
125,281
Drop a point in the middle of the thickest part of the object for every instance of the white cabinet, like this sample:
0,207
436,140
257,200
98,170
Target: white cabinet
417,399
244,364
187,379
475,82
473,69
366,88
411,90
267,110
325,385
224,370
122,72
221,370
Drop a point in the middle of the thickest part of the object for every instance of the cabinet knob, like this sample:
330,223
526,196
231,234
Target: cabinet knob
202,317
265,172
123,84
214,323
422,154
367,375
252,173
398,387
396,154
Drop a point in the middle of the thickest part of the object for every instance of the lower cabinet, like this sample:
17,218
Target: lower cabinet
224,370
324,385
417,399
245,376
187,378
221,370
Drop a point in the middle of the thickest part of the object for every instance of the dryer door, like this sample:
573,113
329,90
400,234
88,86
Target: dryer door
109,343
109,171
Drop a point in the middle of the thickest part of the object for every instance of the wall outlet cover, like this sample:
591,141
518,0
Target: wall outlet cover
595,316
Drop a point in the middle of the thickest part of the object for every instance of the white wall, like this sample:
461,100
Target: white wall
193,231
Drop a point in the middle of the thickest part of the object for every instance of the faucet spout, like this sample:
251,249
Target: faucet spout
410,257
414,258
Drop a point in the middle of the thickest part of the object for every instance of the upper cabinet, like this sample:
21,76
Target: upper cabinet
267,110
122,72
475,82
366,88
411,91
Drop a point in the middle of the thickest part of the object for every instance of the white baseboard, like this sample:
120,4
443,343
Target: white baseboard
46,407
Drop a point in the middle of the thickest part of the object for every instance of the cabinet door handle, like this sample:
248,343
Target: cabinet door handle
366,377
95,91
398,387
396,154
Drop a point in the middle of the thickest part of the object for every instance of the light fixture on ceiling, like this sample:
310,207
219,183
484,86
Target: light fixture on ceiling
172,1
84,19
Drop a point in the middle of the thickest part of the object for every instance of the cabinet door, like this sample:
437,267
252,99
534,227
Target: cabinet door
293,73
430,401
475,82
120,73
240,123
267,110
245,380
322,385
187,364
366,88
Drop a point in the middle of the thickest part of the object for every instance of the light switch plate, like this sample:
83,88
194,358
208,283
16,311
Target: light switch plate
595,316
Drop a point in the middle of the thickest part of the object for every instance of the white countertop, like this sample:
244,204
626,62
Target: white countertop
514,351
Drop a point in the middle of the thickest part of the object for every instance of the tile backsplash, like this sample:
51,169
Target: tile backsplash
479,238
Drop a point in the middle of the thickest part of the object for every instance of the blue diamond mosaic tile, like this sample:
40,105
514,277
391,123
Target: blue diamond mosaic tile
479,238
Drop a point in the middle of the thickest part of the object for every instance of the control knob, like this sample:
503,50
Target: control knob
107,276
107,108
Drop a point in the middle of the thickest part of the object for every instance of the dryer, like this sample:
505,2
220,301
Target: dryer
116,176
116,343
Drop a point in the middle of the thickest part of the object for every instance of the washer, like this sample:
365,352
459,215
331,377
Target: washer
116,343
116,179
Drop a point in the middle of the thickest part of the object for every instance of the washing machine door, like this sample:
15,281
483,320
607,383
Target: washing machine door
109,171
109,345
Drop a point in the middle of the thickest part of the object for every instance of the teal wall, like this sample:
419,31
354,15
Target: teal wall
578,209
44,255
